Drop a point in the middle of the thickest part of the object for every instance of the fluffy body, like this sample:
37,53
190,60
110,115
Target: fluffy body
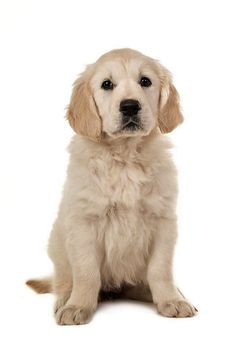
116,227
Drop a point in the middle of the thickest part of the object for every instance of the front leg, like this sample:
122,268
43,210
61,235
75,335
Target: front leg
84,259
169,301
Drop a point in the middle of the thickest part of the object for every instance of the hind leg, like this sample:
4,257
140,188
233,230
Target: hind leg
62,279
62,286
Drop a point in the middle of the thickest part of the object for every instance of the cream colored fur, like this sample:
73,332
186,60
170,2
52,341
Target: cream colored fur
116,227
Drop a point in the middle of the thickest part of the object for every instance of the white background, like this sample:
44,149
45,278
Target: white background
44,45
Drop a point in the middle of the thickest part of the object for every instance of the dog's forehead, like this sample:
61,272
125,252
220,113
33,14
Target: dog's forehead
120,68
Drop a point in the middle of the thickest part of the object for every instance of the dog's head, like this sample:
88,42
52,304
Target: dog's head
124,94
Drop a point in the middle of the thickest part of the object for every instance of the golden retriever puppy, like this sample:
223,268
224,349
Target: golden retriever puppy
116,227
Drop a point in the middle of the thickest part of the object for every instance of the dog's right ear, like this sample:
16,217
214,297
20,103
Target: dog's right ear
82,113
169,112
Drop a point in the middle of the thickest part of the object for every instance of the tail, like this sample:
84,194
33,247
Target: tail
41,286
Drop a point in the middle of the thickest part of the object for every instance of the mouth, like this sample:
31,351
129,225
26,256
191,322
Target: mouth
131,125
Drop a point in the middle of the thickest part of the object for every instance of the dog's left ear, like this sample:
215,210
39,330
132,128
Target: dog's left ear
169,114
82,112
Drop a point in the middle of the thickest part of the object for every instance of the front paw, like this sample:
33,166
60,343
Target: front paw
73,315
176,308
61,302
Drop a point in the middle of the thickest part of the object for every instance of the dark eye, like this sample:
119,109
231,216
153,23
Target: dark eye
107,84
145,82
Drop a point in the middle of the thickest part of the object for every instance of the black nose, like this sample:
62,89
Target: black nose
129,107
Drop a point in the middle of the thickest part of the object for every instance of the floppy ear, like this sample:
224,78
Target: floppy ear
169,115
82,112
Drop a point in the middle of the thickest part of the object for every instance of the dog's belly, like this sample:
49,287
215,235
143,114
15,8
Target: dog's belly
126,238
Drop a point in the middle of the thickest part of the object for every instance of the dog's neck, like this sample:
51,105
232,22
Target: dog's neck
127,146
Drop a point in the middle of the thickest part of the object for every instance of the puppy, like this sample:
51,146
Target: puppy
116,227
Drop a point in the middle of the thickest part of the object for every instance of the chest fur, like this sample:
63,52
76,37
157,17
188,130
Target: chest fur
127,225
126,236
125,182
